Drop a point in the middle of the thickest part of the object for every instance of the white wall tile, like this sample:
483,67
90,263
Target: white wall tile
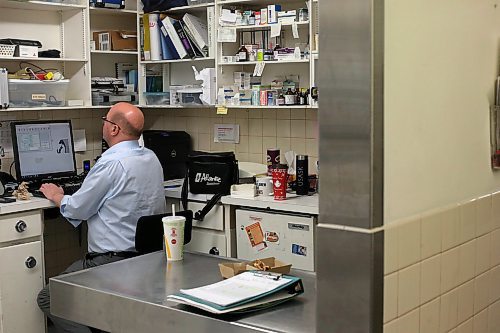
242,147
312,147
465,301
495,207
312,114
269,114
467,261
298,128
409,243
255,145
268,142
311,129
298,113
283,114
298,145
430,316
484,223
284,144
256,114
410,322
449,269
467,221
408,289
494,318
482,285
481,322
483,249
449,311
283,128
268,127
495,248
431,278
390,250
255,127
390,297
243,126
430,236
449,228
495,285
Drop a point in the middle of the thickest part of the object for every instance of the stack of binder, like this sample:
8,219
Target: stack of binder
165,37
248,291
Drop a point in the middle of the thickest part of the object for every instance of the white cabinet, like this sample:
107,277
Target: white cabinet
21,273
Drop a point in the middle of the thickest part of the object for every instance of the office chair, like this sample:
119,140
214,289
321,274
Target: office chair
149,232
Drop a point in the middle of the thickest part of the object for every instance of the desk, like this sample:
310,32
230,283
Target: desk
129,296
22,273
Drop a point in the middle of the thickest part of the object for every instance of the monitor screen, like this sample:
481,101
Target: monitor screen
43,149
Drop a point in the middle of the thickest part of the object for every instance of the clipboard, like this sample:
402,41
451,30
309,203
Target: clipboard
248,291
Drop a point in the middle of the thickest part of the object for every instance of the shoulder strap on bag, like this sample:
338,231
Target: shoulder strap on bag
200,215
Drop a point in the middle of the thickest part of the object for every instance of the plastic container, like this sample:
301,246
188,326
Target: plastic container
190,96
35,93
157,98
7,50
197,2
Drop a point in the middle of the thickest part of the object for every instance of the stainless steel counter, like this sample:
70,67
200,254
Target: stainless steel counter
129,296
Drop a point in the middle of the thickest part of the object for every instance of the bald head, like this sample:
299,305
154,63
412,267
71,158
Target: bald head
130,119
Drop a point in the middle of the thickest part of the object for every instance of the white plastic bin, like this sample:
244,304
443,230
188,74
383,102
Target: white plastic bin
36,93
157,98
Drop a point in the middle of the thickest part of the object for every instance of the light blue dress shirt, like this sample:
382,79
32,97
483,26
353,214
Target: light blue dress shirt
125,184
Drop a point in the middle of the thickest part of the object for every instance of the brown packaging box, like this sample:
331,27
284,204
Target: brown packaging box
230,269
120,40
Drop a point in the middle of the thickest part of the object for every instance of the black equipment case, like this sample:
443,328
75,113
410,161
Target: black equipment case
171,148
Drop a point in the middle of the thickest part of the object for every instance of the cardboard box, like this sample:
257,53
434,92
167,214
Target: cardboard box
230,269
114,40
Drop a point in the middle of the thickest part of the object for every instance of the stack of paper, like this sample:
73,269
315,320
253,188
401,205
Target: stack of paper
248,291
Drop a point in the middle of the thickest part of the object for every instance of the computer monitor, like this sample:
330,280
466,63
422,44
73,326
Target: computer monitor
43,149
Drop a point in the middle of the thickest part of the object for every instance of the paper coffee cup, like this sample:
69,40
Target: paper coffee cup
173,235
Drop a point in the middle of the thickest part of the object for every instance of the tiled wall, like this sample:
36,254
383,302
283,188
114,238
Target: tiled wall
286,129
442,270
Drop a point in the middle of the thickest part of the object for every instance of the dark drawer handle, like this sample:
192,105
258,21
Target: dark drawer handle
21,226
30,262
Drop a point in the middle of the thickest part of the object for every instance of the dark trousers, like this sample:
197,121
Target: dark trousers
63,325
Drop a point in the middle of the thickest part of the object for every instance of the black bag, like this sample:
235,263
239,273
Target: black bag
158,5
171,148
209,173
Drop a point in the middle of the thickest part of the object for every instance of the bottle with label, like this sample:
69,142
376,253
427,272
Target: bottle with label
289,97
302,171
242,53
302,98
306,96
281,99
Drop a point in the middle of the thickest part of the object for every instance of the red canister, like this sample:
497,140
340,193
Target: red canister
280,175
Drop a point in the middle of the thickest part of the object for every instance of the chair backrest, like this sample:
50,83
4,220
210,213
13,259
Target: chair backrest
149,232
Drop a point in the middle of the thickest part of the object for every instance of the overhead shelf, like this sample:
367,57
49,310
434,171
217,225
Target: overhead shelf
42,59
113,52
264,26
111,11
275,62
176,60
40,5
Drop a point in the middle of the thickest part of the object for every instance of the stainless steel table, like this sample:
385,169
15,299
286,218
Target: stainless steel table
130,296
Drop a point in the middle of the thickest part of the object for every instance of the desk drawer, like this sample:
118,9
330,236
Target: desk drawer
214,220
18,226
207,242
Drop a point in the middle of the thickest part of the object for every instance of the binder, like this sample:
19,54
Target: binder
167,48
146,38
198,31
154,37
168,23
183,37
248,291
198,53
211,31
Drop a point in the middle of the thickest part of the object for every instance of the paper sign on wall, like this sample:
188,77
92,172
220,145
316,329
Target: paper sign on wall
227,133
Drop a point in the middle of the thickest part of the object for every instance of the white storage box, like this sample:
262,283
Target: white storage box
36,93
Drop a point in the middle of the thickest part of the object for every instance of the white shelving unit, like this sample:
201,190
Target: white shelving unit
60,26
260,35
68,26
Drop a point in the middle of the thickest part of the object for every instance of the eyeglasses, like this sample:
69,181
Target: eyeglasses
111,122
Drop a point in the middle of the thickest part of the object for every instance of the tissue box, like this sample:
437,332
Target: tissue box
230,269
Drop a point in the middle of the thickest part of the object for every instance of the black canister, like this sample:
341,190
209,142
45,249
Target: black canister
302,172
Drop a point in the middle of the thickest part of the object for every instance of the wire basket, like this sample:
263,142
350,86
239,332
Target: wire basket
7,50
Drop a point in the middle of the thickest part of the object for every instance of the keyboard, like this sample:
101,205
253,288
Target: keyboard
69,184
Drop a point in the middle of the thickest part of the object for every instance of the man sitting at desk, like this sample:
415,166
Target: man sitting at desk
125,184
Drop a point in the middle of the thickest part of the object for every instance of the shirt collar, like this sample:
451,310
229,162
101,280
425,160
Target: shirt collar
131,144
